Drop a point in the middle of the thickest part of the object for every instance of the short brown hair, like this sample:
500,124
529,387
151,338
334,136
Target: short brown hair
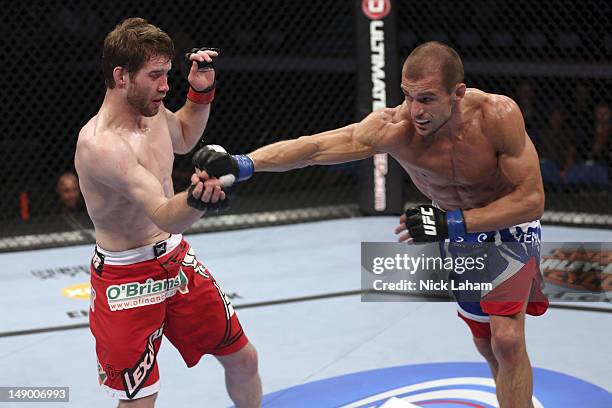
131,44
434,56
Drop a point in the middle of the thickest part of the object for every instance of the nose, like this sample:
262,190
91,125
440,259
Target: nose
163,85
416,110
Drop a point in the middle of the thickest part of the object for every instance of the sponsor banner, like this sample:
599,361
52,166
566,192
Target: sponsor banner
578,271
495,271
77,314
77,291
435,385
378,86
61,272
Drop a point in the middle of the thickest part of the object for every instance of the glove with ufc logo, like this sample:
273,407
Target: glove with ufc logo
427,223
218,163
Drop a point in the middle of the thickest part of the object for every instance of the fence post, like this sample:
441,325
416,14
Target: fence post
378,86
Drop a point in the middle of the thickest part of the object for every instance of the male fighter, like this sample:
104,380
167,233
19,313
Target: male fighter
146,281
467,151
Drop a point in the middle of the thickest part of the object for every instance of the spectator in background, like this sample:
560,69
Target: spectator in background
583,104
581,125
590,144
556,143
69,193
602,142
526,100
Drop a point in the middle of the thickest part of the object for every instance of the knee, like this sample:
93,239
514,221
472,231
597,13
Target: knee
508,344
483,345
245,362
146,402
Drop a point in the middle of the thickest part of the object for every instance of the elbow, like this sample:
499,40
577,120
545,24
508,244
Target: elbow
166,227
172,226
536,205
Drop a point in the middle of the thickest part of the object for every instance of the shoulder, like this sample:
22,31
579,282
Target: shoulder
102,148
97,137
491,106
384,127
501,121
498,114
382,116
390,118
496,109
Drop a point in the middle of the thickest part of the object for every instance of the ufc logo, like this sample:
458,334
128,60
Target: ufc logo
376,9
429,224
376,6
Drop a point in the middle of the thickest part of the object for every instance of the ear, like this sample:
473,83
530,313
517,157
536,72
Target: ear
460,91
120,76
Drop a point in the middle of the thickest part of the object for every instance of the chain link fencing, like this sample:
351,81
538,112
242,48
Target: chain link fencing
287,69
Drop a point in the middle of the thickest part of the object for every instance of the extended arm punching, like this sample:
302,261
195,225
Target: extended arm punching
353,142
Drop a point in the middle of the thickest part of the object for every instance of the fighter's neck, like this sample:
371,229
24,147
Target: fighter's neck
453,126
116,112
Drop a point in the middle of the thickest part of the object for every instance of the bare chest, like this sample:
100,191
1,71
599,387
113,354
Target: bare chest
463,161
155,153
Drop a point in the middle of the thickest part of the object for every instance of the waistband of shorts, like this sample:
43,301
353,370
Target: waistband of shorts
525,226
140,254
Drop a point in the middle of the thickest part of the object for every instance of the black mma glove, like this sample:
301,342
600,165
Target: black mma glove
200,205
215,161
203,65
427,223
207,95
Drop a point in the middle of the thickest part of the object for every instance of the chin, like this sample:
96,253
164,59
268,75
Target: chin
147,113
423,132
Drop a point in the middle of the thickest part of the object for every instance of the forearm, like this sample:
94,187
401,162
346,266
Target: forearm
331,147
193,118
174,215
515,208
285,155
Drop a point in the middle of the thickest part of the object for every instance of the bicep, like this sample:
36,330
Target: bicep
521,166
142,188
518,157
359,140
340,145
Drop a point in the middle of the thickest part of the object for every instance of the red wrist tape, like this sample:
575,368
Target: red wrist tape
203,98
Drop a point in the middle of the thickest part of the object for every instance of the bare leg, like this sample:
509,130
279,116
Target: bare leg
484,348
146,402
242,378
514,378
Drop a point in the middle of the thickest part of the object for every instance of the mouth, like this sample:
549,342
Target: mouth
421,122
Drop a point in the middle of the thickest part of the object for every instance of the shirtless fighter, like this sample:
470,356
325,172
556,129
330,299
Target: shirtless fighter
467,151
145,278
